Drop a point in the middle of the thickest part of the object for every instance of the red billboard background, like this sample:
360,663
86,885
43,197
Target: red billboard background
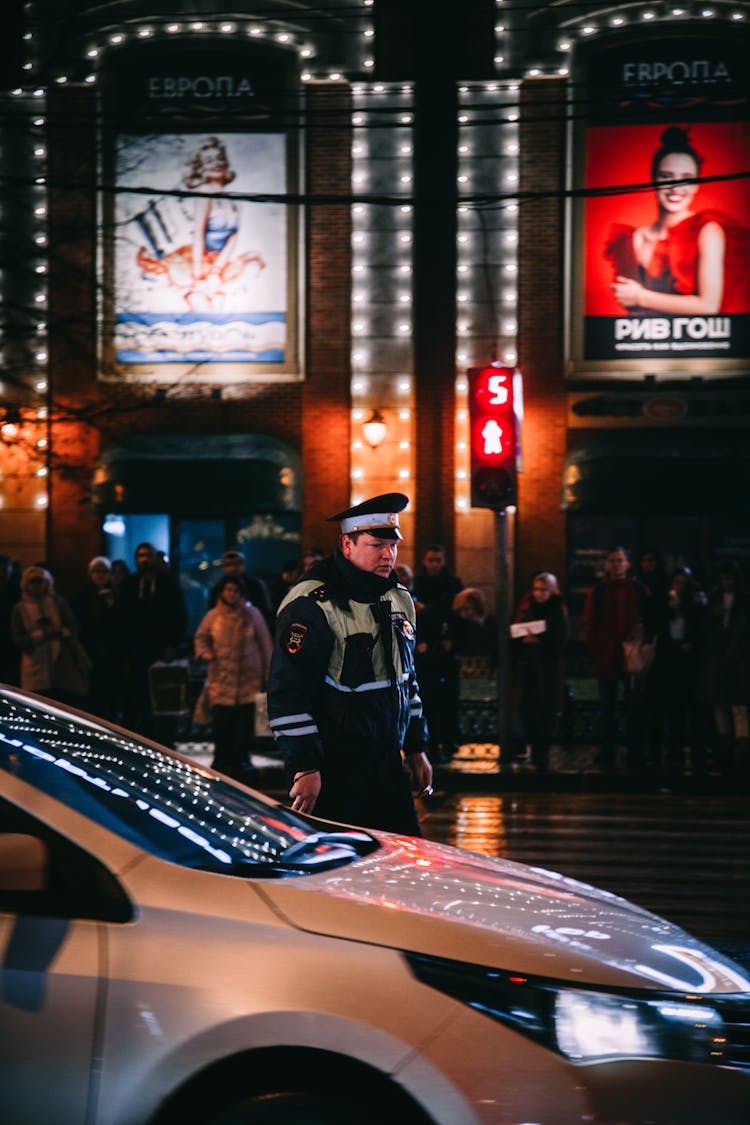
621,155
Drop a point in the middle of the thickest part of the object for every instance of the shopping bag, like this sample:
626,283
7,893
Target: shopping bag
72,671
168,687
202,709
638,656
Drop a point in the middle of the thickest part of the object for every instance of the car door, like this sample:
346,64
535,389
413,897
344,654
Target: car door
51,951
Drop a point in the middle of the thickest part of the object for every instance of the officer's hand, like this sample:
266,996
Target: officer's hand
304,791
421,774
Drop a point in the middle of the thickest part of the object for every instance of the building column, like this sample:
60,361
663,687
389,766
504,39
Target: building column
326,397
435,169
541,310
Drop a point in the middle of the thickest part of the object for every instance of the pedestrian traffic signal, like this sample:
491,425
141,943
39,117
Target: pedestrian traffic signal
494,436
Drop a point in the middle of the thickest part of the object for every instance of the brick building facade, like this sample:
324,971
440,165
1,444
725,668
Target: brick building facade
432,179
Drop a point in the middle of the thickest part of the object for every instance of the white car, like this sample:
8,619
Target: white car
178,948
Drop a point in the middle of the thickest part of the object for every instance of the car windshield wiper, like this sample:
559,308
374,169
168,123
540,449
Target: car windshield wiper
326,849
317,852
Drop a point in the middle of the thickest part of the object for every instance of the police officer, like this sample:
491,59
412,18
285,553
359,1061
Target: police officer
343,699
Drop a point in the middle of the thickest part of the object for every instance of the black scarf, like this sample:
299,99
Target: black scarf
344,581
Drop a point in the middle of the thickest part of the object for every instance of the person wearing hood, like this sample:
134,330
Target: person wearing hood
41,622
343,699
234,640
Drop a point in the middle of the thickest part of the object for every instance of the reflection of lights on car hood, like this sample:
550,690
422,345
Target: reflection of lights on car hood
510,916
695,963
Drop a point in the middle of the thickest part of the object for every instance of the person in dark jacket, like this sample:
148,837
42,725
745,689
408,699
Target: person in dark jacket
678,716
95,609
10,594
278,588
434,585
537,663
437,668
152,620
475,631
343,699
652,572
434,589
724,681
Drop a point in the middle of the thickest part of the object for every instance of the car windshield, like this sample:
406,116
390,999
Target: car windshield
169,807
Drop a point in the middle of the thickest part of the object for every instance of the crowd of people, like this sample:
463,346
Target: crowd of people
671,662
124,638
676,659
455,636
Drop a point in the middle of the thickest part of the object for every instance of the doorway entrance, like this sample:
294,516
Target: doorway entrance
196,495
194,547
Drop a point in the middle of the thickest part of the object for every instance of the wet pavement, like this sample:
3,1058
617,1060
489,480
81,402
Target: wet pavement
682,855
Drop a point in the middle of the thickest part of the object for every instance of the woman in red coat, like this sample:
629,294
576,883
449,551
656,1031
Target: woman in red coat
615,609
687,262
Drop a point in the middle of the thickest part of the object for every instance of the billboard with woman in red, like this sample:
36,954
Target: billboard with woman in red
666,210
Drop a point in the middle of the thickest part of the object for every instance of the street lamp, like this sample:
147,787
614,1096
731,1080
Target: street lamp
10,425
374,429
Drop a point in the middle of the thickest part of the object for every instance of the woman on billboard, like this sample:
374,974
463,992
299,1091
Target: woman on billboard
686,262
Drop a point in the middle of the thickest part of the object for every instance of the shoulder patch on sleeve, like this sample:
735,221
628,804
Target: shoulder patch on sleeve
400,621
296,638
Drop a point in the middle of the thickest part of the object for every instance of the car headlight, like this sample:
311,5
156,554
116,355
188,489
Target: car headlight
595,1025
583,1024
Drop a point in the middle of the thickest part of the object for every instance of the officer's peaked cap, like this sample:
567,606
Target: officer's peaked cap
378,516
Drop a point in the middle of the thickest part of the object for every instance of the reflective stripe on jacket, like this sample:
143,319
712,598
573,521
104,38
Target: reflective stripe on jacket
342,678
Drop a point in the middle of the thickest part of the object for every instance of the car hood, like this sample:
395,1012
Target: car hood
430,898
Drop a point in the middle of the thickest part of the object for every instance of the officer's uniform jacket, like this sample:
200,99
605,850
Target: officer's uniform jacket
342,682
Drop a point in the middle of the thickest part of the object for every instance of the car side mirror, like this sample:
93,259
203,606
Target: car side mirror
23,862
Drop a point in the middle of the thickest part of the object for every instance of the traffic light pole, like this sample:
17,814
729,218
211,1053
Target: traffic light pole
503,633
495,409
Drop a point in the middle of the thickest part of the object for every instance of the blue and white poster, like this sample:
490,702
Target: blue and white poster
200,264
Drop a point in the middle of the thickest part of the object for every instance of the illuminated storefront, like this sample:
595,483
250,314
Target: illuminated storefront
229,230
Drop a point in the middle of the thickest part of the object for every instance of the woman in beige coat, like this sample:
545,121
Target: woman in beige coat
41,623
235,642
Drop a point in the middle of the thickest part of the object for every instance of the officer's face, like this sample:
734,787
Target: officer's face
378,556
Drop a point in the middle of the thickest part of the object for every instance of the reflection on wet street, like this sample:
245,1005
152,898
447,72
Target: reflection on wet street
684,856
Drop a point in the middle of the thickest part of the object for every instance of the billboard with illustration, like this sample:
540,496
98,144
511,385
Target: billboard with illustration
200,272
662,218
199,252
